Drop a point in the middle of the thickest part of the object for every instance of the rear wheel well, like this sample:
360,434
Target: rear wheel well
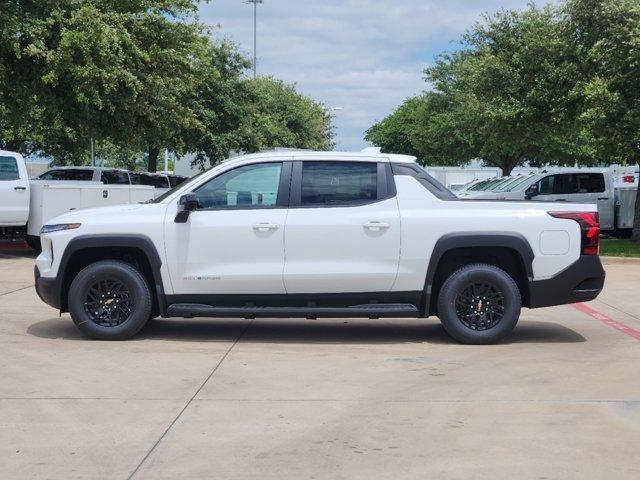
86,256
505,258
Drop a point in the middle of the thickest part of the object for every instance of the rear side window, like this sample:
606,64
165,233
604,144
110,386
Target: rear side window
135,178
69,174
115,177
9,169
338,183
589,182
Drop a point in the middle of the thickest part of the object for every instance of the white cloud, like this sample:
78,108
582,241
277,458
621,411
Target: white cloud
364,56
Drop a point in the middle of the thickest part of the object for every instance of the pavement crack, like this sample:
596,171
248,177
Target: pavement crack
619,309
186,405
14,291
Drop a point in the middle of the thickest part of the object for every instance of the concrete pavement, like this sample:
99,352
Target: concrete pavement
325,399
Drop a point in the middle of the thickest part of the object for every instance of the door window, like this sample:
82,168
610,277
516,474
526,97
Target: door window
556,185
589,182
246,187
338,183
115,177
9,169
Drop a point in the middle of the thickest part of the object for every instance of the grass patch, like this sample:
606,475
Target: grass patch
619,247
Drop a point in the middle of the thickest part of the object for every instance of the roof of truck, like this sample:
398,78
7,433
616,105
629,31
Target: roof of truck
367,153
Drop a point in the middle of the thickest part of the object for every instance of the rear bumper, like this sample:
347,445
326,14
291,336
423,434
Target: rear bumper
47,289
580,282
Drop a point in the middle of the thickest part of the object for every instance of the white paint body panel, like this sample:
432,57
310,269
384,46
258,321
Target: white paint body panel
332,250
14,195
219,252
50,199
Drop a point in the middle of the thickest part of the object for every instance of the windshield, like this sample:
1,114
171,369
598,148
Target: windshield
515,185
479,185
506,185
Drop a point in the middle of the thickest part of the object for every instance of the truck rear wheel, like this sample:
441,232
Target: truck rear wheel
110,300
479,304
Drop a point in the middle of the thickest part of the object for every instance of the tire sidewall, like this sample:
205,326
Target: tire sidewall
139,292
462,278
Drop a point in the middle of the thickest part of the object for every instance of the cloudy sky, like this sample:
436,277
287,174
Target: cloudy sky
364,56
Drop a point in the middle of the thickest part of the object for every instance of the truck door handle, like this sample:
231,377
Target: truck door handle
376,226
19,188
265,227
603,198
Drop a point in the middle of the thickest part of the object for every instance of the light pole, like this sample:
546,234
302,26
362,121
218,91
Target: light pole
255,33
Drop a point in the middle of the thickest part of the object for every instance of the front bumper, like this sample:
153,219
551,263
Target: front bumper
580,282
47,289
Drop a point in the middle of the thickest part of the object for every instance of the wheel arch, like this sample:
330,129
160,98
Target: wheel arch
509,251
137,250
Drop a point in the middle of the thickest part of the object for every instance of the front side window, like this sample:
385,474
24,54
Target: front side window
9,169
338,183
246,187
546,185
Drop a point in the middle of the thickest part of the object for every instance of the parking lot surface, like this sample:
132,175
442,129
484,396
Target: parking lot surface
323,399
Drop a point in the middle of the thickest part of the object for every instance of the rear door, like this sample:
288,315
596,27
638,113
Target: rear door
591,188
342,233
14,190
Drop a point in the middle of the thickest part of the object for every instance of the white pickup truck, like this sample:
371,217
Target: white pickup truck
318,234
26,205
616,203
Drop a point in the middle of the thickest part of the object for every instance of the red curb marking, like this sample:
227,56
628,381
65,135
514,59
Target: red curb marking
13,246
610,322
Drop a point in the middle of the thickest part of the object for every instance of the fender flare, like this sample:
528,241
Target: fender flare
451,241
140,242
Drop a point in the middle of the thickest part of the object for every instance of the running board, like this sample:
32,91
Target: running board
375,310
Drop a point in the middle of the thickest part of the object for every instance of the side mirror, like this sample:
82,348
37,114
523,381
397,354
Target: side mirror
187,204
531,192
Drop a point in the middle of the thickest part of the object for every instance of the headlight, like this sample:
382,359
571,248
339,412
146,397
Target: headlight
58,227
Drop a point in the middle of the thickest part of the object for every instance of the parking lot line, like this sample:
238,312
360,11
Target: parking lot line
610,322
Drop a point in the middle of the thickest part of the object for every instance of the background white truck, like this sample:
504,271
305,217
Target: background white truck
26,205
615,197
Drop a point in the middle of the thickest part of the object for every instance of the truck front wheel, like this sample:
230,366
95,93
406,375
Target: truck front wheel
479,304
110,300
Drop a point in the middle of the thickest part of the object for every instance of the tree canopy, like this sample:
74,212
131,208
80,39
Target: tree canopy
137,76
548,86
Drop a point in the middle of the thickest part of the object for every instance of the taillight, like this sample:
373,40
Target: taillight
589,227
628,179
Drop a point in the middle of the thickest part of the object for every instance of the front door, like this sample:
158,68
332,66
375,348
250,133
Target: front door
234,242
14,191
343,228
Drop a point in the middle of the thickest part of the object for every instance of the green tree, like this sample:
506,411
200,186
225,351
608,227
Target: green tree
607,35
114,70
395,133
249,115
503,97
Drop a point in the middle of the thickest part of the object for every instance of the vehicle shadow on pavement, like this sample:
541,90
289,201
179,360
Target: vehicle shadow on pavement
7,253
308,331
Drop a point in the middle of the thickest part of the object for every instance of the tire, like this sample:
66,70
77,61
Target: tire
33,242
465,312
125,310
